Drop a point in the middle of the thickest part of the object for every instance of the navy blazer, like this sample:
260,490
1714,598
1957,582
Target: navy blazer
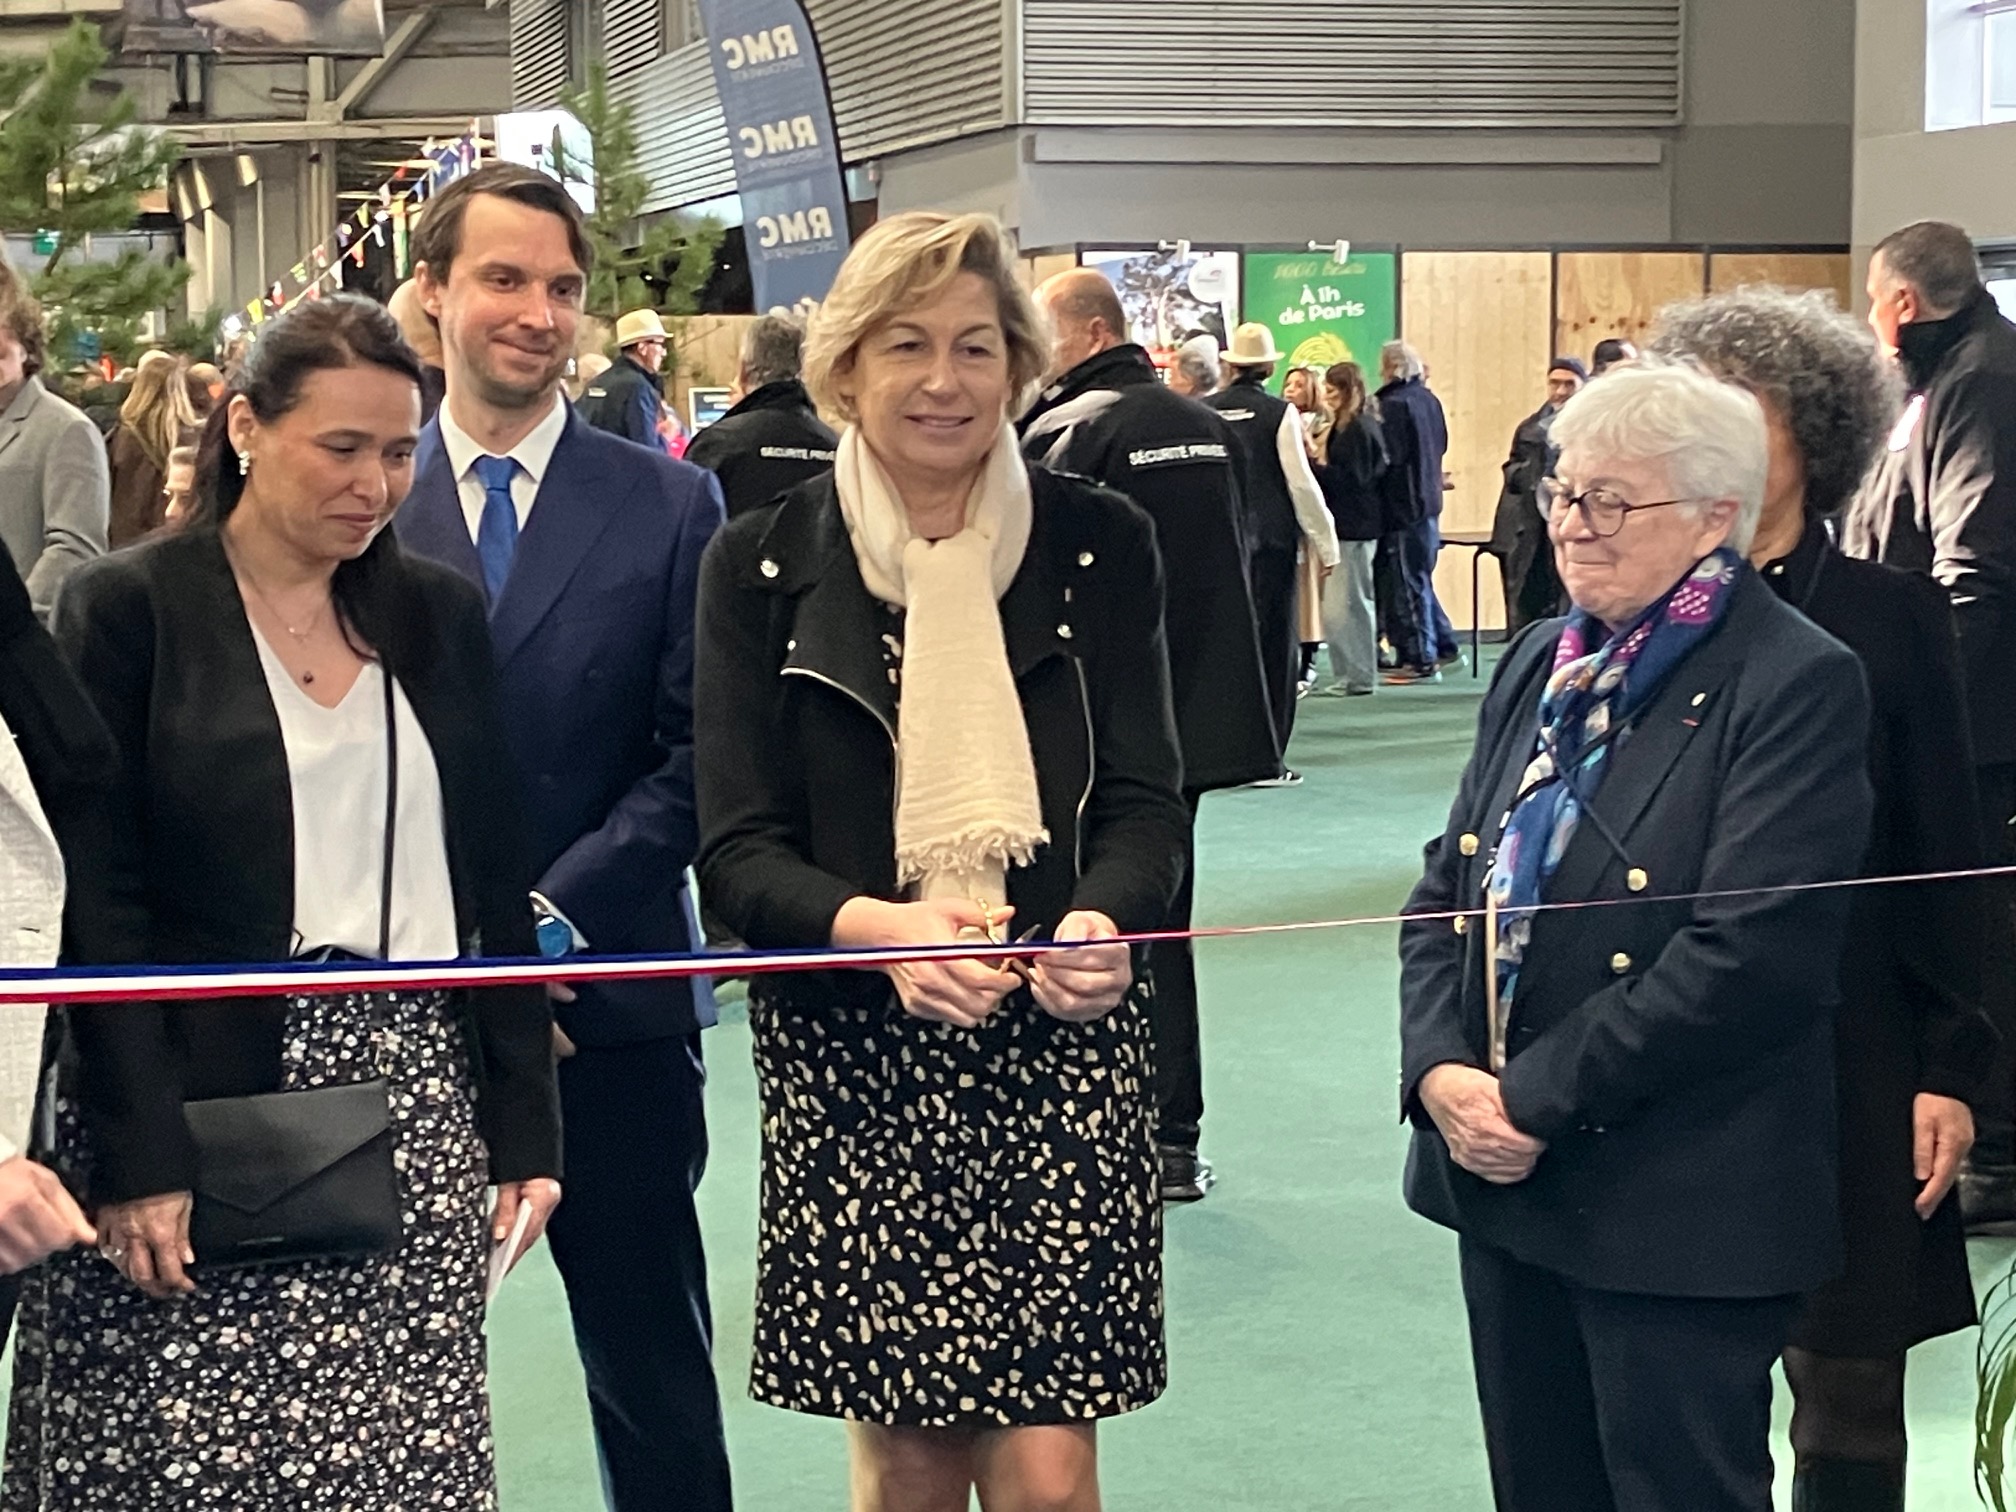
1677,1057
594,642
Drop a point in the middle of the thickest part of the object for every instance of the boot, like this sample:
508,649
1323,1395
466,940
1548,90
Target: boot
1827,1485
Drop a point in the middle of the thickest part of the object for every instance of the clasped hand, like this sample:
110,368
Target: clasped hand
1468,1106
1080,985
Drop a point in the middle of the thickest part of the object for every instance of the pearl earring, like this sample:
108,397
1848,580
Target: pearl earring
244,464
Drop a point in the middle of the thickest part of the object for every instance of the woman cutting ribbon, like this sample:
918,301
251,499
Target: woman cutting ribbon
1626,1112
932,704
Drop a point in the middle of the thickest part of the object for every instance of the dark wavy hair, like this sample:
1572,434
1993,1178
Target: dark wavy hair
1819,366
314,336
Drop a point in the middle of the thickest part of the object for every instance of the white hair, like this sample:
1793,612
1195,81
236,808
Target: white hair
1708,437
1197,360
1398,359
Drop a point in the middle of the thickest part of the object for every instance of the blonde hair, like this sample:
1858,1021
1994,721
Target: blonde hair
157,410
904,263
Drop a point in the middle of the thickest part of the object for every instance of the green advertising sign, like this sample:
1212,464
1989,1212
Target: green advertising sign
1322,311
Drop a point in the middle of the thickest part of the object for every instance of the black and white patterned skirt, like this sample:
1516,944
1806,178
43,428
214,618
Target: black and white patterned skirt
960,1228
324,1386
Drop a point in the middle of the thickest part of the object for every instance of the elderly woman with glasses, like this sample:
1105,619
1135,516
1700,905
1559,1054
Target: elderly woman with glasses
1912,1042
1618,983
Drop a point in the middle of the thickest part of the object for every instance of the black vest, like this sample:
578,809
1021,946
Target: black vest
1254,417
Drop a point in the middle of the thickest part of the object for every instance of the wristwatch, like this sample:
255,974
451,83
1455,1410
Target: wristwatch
555,931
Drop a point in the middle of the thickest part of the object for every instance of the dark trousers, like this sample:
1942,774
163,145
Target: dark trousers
1601,1401
1277,581
1995,1112
627,1242
1420,631
1172,1017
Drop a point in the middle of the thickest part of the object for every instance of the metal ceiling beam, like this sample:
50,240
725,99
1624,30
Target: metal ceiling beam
372,74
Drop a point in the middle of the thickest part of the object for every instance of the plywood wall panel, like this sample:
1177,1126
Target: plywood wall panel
1481,323
1604,294
1789,270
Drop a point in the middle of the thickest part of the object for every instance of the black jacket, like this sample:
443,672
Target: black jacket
1113,420
624,402
1678,1057
188,856
1910,1018
795,721
63,742
765,447
1352,469
1943,501
1519,529
1417,440
1254,418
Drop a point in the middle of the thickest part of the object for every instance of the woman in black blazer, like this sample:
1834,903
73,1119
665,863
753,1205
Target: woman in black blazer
1913,1043
1626,1111
253,670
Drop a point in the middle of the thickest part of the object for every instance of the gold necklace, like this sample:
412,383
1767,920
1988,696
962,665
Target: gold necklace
300,636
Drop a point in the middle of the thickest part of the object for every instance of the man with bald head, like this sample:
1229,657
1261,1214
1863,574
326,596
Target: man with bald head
1107,416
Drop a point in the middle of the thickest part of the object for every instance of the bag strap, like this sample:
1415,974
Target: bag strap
391,811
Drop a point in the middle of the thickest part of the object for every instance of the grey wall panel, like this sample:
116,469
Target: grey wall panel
902,76
1487,63
682,138
633,33
539,52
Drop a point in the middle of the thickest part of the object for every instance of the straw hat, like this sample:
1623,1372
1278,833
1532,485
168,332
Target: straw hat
1252,346
639,325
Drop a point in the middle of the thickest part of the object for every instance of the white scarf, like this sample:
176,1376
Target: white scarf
967,806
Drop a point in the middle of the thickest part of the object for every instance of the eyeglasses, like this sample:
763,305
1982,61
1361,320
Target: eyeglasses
1603,511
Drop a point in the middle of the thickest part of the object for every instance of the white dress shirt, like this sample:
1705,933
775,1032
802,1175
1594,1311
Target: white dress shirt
1311,512
533,454
336,768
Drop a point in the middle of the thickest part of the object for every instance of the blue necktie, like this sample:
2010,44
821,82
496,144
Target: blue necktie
497,534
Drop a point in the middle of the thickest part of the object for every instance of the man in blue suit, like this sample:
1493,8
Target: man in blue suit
589,549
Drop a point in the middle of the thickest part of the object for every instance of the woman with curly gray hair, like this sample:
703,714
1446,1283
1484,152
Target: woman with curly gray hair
1911,1039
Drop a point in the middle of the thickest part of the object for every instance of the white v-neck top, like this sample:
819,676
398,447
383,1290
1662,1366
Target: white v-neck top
336,765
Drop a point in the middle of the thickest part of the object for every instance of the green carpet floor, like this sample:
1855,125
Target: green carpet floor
1316,1333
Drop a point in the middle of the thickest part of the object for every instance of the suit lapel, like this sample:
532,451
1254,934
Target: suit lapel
576,504
431,522
1642,761
16,418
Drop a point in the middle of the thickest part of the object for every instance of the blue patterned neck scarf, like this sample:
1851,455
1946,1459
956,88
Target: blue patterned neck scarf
1591,697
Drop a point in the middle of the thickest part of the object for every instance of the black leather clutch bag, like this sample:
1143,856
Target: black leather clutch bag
294,1176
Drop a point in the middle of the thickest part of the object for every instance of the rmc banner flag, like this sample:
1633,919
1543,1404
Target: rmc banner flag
787,157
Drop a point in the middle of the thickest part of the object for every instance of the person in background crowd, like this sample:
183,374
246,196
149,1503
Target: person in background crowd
1609,352
1350,467
628,399
1303,389
933,705
1104,417
55,484
773,439
1195,370
1519,531
1942,503
284,640
1912,1045
1417,440
587,368
206,388
588,551
155,419
425,339
1627,1114
55,755
1284,514
178,489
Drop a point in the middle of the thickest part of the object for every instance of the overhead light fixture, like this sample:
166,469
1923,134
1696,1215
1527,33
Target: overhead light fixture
1340,251
248,170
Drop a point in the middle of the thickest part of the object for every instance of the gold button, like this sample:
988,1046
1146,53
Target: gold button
1636,880
1064,632
1700,699
1462,924
1620,963
768,568
1085,559
1467,845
